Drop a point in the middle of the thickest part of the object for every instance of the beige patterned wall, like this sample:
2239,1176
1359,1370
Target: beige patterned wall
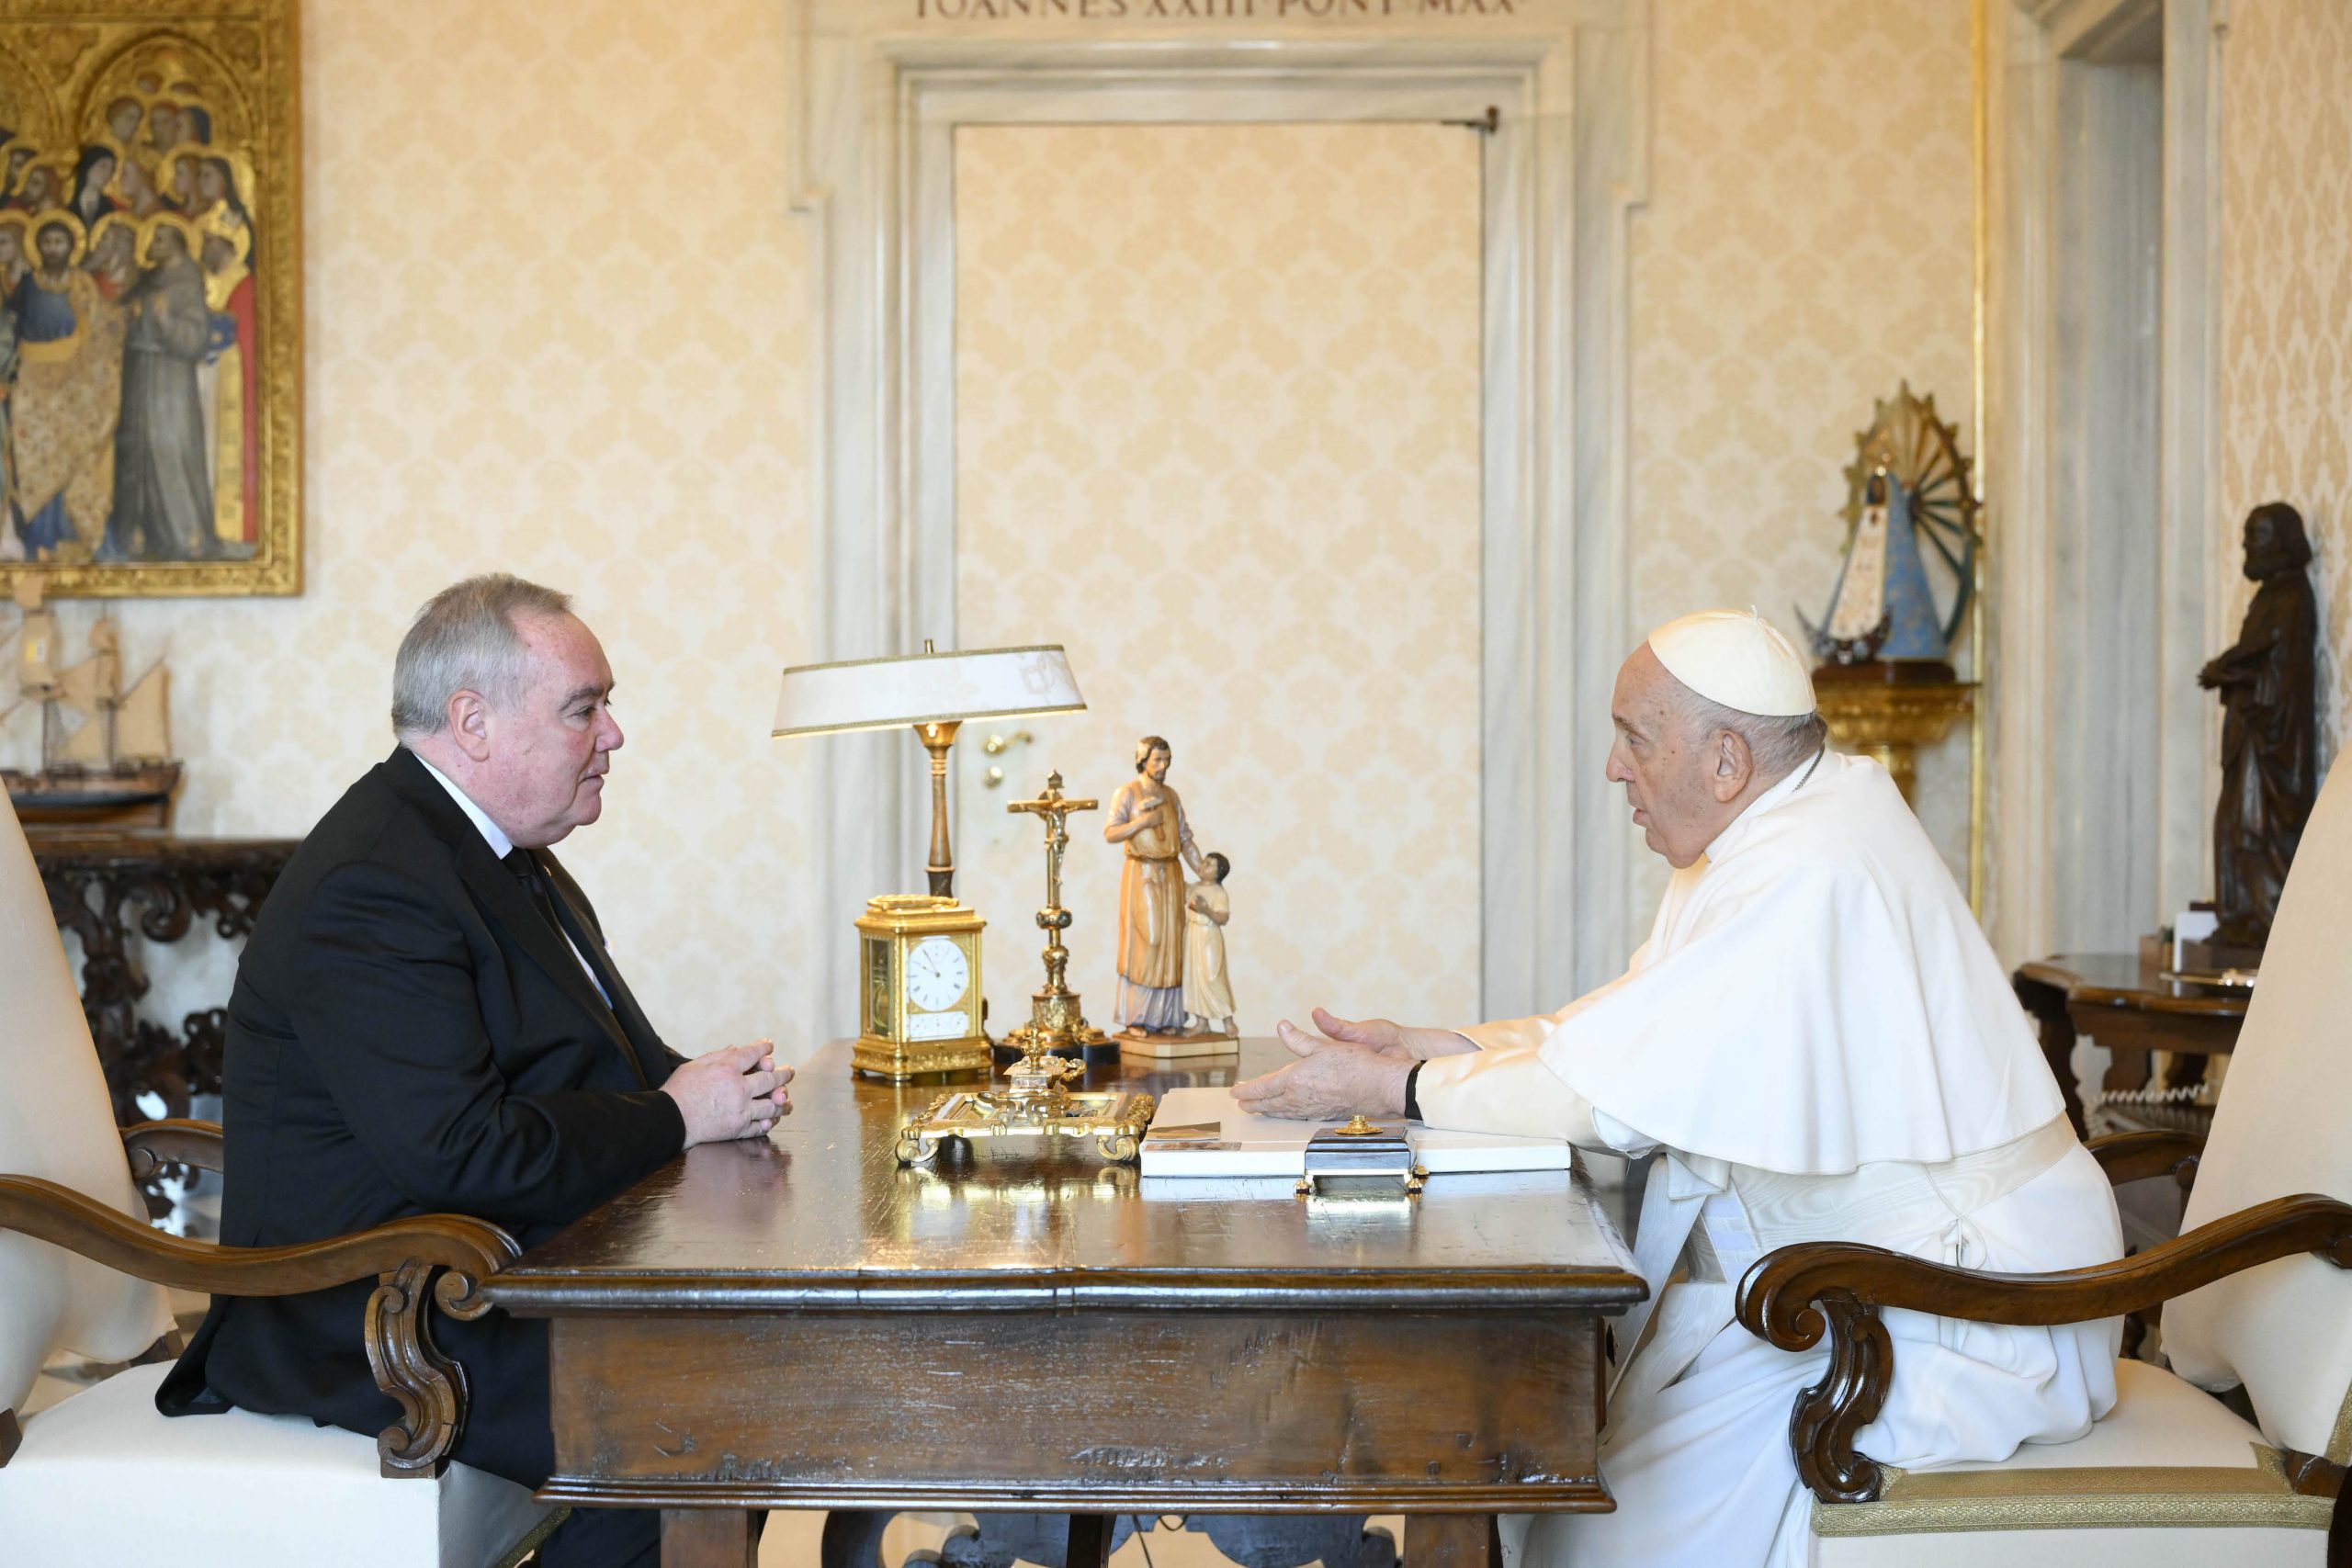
557,323
1217,431
1806,246
556,315
2286,331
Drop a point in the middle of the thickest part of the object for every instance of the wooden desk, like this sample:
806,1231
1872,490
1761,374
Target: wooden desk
800,1323
2126,1007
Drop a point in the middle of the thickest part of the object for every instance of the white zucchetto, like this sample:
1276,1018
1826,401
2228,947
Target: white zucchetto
1736,659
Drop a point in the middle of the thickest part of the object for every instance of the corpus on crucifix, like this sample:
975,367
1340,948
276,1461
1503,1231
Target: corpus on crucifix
1057,1024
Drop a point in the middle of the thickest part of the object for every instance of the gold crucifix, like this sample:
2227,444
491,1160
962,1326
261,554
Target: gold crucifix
1057,1024
1055,808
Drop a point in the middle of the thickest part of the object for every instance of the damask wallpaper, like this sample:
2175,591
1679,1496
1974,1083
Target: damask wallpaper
2286,327
558,321
556,324
1227,450
1806,246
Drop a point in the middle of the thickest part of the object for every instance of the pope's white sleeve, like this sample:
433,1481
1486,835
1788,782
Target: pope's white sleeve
1511,1091
1510,1033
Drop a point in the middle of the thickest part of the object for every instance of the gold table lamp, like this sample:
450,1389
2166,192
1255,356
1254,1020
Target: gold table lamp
933,692
919,956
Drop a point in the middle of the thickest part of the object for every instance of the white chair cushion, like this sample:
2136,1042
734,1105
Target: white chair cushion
2147,1487
103,1478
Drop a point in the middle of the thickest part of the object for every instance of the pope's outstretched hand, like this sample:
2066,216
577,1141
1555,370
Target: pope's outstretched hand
1331,1077
1389,1039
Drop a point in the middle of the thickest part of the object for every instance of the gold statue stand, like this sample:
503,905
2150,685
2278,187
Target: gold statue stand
1869,707
1056,1025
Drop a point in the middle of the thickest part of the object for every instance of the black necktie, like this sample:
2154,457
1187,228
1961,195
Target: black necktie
585,948
534,878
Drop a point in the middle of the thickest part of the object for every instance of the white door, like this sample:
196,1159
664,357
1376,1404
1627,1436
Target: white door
1217,433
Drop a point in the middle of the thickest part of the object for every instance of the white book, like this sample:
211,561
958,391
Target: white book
1201,1131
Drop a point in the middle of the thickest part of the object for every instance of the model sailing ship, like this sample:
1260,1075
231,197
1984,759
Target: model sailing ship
104,751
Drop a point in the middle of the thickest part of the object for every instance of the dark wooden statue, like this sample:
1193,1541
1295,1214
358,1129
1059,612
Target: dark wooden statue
2269,729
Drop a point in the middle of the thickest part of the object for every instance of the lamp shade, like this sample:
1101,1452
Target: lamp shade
925,688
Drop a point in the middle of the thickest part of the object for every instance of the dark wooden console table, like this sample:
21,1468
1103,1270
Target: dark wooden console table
2127,1007
801,1323
102,886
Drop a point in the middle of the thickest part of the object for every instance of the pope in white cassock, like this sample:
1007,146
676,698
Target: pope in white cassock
1818,1044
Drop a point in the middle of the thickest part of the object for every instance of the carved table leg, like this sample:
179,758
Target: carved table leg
2048,1006
706,1537
1090,1541
1452,1540
2186,1070
853,1538
2128,1073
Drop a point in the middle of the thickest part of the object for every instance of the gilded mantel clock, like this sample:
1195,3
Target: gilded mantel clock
919,965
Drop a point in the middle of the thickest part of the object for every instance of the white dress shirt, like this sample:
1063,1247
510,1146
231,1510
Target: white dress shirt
500,845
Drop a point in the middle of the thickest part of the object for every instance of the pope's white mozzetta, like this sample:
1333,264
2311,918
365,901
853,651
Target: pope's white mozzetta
1820,1043
1739,659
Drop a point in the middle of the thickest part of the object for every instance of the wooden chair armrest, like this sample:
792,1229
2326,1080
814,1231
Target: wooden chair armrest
2133,1156
1795,1296
404,1255
179,1141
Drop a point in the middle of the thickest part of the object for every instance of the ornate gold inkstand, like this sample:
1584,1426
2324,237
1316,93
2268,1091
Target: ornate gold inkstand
1035,1101
1033,1104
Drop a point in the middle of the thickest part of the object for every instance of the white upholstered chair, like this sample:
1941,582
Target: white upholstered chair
102,1477
2260,1286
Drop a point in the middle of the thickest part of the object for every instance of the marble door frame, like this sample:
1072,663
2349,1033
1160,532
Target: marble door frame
882,88
2048,867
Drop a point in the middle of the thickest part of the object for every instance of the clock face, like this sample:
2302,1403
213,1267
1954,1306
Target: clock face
937,973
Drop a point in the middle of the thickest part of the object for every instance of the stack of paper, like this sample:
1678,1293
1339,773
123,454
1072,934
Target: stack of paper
1201,1132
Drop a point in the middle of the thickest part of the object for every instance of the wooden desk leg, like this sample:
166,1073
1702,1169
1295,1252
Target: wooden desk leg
1090,1541
2048,1006
706,1537
2127,1071
1452,1540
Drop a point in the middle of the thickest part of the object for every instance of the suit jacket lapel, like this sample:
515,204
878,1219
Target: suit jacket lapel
634,1023
503,900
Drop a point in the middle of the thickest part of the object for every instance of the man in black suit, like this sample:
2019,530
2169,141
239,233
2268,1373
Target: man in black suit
426,1019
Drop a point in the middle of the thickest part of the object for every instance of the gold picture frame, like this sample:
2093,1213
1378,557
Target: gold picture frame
135,461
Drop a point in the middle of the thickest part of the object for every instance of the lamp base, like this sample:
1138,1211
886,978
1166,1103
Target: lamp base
901,1060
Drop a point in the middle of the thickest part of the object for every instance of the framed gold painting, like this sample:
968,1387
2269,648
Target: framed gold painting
151,297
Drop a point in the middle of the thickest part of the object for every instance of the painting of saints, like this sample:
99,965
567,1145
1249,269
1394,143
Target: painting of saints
123,116
222,183
134,190
69,374
14,248
20,152
230,430
38,190
113,263
150,331
163,486
175,178
87,196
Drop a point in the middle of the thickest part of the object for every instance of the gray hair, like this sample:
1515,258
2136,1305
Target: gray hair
465,639
1777,744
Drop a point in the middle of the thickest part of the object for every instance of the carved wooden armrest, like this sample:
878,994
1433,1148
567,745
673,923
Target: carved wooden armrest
2133,1157
403,1255
179,1141
1795,1295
